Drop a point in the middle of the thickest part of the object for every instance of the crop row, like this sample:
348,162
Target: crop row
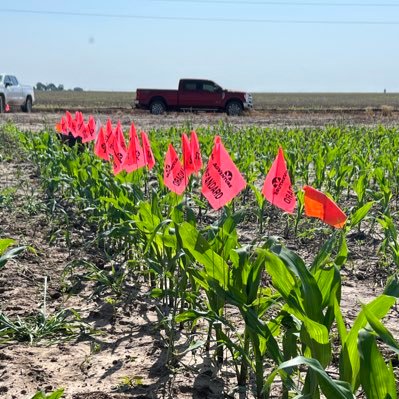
198,267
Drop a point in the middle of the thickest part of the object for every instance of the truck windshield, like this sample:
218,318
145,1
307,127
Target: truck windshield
1,78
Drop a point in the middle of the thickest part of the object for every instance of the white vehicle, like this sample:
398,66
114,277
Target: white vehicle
14,94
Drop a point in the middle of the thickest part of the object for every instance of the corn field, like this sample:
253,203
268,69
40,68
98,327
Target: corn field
256,290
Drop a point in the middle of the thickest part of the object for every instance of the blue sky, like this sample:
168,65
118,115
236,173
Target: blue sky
240,44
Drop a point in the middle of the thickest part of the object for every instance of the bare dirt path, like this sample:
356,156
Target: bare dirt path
278,119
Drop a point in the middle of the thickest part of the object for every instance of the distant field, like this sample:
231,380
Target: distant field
53,101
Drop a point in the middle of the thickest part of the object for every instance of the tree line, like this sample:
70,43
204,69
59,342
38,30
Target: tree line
52,87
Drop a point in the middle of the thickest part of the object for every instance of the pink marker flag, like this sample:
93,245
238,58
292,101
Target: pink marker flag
7,108
222,180
173,173
188,159
135,155
90,130
70,123
80,125
277,188
118,150
195,150
109,136
100,147
148,155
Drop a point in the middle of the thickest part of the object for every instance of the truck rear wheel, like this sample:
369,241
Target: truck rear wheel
234,108
28,105
157,107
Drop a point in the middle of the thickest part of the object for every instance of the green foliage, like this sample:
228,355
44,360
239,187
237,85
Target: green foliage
196,264
64,323
6,255
54,395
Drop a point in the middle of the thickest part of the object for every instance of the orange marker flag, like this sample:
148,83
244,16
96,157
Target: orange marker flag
277,187
195,150
135,155
100,147
118,150
188,159
61,126
148,155
318,205
222,181
90,131
173,174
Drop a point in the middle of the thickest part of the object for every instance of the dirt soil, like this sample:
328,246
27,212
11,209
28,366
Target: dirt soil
126,358
278,119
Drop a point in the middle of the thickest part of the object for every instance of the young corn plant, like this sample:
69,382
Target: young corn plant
391,240
5,253
53,395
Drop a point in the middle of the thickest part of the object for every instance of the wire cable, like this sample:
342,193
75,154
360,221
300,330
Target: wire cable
281,3
198,19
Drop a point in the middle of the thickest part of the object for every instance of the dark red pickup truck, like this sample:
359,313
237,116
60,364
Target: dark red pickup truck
193,94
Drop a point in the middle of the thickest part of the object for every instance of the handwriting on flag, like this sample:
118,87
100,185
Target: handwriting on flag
277,187
188,158
100,147
148,155
71,125
173,175
135,155
318,205
79,125
90,130
222,180
195,150
118,149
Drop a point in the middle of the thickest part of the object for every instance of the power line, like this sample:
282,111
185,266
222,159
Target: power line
282,3
198,19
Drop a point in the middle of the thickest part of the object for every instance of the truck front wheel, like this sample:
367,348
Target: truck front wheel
157,107
234,108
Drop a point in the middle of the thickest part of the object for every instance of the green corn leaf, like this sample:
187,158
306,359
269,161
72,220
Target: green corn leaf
340,321
10,254
283,280
332,389
192,315
392,287
342,254
324,254
54,395
377,379
360,214
349,362
5,243
381,330
315,336
310,293
215,266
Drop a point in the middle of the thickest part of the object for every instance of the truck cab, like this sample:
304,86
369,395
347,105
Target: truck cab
194,94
